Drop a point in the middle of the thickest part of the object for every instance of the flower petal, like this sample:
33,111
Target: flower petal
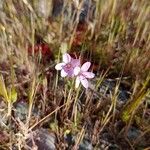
89,75
84,82
63,73
66,58
59,66
86,66
76,70
75,62
77,82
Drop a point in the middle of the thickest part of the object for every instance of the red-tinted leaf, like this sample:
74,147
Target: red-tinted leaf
43,48
80,35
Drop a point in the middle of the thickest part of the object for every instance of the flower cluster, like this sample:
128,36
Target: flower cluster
72,68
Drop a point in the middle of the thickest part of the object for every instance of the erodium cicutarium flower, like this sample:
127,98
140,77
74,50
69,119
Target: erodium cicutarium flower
67,66
83,74
71,67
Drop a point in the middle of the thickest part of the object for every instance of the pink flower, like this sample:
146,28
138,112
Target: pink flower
67,66
83,74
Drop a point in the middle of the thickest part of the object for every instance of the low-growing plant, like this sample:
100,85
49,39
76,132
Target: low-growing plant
109,37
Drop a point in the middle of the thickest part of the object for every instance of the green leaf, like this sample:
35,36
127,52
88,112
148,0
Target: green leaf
3,91
135,103
13,95
129,109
